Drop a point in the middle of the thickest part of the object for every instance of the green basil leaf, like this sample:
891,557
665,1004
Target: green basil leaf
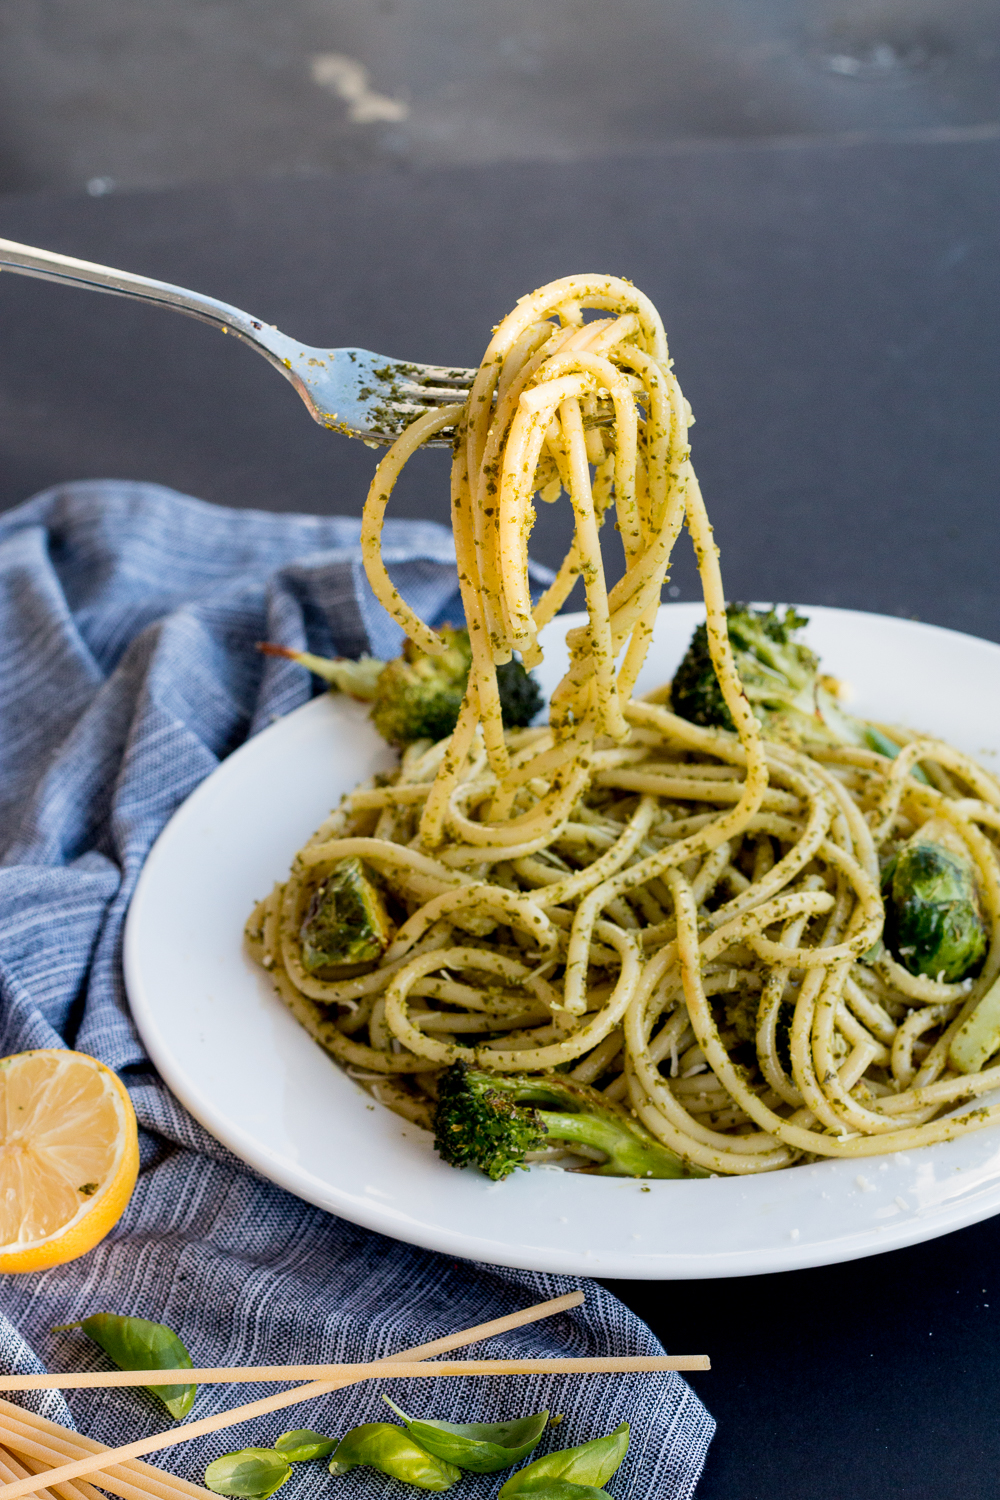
303,1443
544,1487
391,1450
136,1344
480,1447
589,1464
252,1473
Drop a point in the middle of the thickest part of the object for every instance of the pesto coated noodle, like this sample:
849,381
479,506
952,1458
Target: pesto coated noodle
687,918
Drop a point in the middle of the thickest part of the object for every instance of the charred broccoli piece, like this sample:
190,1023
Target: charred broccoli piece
778,673
933,921
416,696
346,921
520,695
492,1121
789,696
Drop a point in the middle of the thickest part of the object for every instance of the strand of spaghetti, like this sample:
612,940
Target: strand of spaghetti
438,799
908,1034
600,654
482,699
509,1060
600,292
765,1151
559,589
655,866
486,486
768,1011
12,1469
666,432
315,1019
805,845
40,1454
540,821
26,1428
684,1139
805,1140
562,891
379,852
979,812
868,931
494,900
362,1370
604,374
374,515
535,410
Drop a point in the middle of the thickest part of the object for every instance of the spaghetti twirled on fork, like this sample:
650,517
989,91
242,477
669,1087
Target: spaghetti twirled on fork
687,918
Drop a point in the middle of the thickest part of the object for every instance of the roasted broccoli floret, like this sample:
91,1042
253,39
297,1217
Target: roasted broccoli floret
778,673
416,696
789,696
492,1121
933,921
346,921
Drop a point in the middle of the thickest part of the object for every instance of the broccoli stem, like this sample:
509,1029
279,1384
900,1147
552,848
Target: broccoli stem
627,1154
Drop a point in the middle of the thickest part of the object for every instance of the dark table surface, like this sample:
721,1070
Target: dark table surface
833,316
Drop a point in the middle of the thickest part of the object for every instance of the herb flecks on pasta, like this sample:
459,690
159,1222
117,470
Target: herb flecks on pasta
684,916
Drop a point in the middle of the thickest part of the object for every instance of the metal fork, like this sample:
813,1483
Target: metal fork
352,391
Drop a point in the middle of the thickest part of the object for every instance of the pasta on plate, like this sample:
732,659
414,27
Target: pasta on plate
685,917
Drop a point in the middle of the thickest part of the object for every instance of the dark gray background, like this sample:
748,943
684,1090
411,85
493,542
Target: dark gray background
126,93
831,310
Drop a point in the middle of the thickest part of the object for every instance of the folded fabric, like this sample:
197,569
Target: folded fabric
129,615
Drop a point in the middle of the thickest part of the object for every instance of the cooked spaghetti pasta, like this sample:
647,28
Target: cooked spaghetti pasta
687,918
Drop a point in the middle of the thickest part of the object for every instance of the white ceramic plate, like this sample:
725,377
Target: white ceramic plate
237,1060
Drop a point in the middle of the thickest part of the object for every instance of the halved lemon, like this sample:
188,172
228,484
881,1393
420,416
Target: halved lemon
69,1157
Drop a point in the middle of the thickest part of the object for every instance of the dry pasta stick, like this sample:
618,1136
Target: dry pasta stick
400,1369
12,1469
44,1445
221,1420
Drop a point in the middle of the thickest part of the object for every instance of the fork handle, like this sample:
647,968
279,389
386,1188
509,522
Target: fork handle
26,260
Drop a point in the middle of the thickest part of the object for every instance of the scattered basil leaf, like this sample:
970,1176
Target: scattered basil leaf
589,1464
544,1487
480,1447
136,1344
252,1473
391,1450
303,1444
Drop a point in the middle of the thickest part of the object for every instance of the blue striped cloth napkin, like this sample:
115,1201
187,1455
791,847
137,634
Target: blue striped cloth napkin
128,616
